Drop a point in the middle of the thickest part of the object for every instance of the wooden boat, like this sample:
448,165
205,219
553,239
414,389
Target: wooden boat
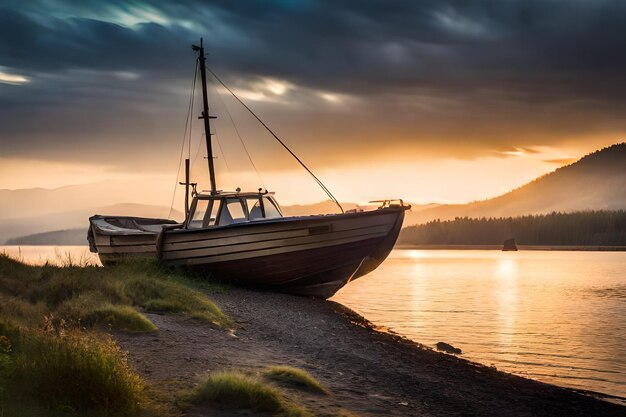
244,237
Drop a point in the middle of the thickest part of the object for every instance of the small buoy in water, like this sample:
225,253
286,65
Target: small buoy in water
445,347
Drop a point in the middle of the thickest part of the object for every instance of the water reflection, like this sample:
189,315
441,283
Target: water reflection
507,298
56,255
555,316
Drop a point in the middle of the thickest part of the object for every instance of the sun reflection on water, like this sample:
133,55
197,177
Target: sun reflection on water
535,313
507,295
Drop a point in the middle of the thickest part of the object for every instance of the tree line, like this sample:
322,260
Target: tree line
602,228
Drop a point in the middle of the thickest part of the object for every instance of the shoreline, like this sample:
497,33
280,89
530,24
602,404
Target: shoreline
368,372
359,320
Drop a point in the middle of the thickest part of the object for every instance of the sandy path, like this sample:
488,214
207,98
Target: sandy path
369,373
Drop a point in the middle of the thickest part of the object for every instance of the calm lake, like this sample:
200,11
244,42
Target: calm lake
555,316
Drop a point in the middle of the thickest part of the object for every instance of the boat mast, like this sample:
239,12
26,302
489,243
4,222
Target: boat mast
205,114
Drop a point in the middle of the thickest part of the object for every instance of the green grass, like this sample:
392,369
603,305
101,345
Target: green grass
296,377
65,370
120,317
236,390
107,297
56,356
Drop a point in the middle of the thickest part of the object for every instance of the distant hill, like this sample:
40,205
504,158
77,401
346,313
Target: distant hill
59,237
595,182
30,202
75,219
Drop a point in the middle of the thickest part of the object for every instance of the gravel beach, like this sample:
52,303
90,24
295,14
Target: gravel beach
368,373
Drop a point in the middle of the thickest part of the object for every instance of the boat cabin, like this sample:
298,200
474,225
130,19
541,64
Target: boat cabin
224,208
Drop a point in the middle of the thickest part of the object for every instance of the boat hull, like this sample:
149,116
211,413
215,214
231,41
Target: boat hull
315,255
311,255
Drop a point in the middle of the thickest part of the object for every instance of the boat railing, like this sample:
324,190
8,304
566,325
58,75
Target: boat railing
392,203
173,226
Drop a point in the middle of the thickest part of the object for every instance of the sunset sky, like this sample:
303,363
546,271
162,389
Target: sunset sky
446,101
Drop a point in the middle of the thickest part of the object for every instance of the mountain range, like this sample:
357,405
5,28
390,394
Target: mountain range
595,182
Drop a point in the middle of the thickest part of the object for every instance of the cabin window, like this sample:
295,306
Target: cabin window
232,211
210,217
270,209
198,214
254,208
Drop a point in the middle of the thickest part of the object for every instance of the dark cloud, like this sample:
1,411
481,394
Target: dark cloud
458,76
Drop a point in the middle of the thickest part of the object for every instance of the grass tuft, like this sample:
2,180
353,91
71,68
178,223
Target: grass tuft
240,391
295,376
236,389
120,317
68,369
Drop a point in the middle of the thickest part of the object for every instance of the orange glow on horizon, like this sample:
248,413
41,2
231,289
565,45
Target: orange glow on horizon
441,180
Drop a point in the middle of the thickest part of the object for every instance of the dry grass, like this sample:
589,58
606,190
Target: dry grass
296,377
236,390
66,370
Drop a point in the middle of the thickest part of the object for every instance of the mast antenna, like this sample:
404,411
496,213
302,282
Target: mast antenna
205,113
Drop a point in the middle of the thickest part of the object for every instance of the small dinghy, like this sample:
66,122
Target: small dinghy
244,237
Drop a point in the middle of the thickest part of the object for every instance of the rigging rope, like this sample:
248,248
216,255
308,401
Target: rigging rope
232,121
197,154
187,124
219,145
319,182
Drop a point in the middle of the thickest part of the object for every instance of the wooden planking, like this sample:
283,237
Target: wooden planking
128,249
320,262
319,272
208,239
186,258
339,222
119,240
261,241
371,227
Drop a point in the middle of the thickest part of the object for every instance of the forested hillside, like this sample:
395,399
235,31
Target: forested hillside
578,228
